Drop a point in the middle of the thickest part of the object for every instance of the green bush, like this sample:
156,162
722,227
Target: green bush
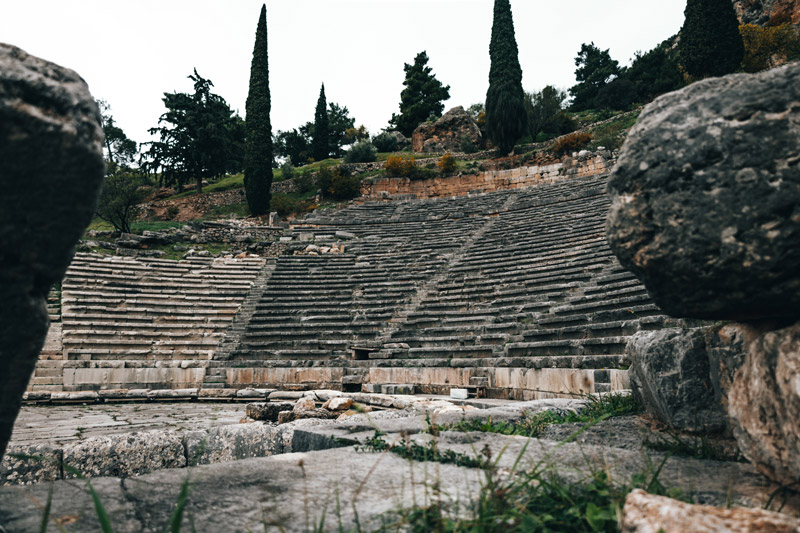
344,186
385,142
324,179
282,204
363,152
304,182
287,170
423,174
338,183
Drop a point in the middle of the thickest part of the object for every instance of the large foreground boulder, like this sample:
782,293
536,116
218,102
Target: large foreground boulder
51,168
445,134
648,513
764,404
706,198
671,376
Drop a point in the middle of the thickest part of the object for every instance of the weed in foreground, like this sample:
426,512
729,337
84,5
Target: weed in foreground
597,408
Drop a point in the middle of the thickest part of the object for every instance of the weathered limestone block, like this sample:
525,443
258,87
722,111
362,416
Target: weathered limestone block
670,374
231,443
25,465
647,513
125,455
706,198
51,168
445,134
764,404
727,346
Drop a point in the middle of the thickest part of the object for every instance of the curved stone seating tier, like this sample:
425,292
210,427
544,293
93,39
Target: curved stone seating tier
515,292
143,323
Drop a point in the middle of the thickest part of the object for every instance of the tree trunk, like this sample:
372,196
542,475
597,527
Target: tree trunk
199,186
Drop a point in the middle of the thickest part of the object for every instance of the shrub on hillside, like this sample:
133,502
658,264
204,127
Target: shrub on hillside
122,192
338,183
303,182
467,146
571,143
287,170
423,174
764,47
385,142
447,164
400,167
362,152
285,205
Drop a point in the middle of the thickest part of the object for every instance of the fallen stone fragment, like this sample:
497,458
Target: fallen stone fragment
705,198
304,404
51,168
647,513
671,375
338,404
267,411
764,403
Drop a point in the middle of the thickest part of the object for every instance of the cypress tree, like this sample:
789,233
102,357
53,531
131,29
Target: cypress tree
710,43
506,119
321,145
258,144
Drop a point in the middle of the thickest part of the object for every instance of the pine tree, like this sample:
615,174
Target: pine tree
258,146
710,42
506,119
321,144
422,98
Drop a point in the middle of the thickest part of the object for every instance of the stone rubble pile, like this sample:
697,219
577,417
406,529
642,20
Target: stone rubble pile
706,212
244,236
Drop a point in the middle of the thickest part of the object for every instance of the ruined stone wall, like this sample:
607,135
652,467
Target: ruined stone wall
585,164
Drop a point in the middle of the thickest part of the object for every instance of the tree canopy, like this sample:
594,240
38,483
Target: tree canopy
120,150
297,144
422,97
710,43
506,119
200,137
595,69
258,156
545,110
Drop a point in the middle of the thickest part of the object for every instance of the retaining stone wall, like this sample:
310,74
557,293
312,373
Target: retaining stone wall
587,164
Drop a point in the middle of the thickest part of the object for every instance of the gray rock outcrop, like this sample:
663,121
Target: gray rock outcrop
706,198
52,166
764,403
445,134
671,375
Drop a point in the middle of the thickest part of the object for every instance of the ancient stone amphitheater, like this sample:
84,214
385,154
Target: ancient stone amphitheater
511,294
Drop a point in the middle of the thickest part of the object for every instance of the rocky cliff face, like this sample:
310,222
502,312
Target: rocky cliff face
762,11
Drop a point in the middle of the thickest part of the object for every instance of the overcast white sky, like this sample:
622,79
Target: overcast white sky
132,51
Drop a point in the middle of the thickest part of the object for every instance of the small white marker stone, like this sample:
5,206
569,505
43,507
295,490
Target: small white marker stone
459,394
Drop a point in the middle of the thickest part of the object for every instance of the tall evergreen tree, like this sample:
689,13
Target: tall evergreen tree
321,145
422,98
710,43
258,146
506,119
